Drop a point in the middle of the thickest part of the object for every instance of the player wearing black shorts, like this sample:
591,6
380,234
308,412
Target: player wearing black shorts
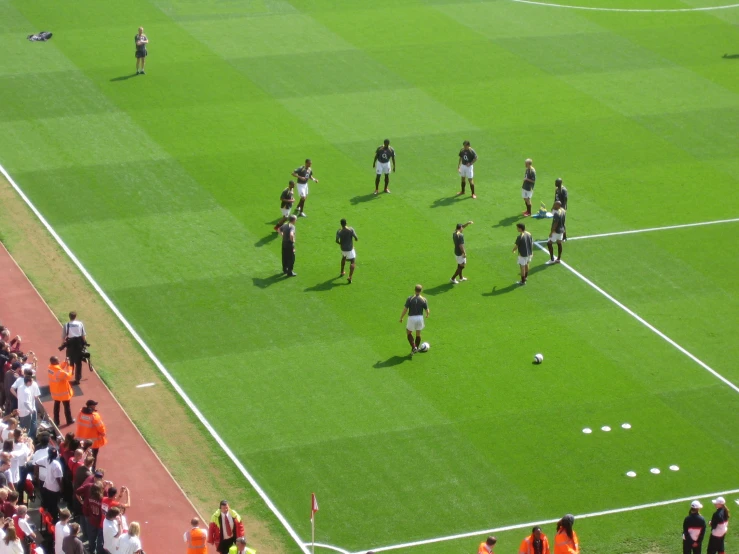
141,41
384,157
303,174
719,525
465,167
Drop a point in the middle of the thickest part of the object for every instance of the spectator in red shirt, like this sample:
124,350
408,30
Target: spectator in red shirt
9,508
114,498
93,520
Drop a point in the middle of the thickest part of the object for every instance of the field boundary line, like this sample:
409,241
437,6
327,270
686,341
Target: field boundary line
545,522
163,370
652,229
635,10
648,325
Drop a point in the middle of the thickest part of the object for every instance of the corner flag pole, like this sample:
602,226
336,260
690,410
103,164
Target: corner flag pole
313,510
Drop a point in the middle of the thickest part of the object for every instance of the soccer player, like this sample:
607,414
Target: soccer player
287,231
557,232
487,546
287,199
560,193
141,41
536,543
345,237
459,252
384,156
303,174
467,159
525,247
719,525
527,189
694,529
415,306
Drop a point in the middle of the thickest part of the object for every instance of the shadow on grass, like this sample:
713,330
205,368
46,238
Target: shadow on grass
360,199
731,56
269,281
438,289
508,221
448,200
391,362
326,285
497,292
266,240
122,78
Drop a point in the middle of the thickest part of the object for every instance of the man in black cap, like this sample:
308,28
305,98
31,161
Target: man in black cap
460,252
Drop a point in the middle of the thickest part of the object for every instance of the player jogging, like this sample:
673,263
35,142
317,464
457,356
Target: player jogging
467,159
557,232
460,252
345,237
527,189
384,156
560,193
141,41
286,203
525,247
303,174
415,306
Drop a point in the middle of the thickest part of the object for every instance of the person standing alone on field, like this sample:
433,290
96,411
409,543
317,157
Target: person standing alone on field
525,247
465,167
141,41
415,306
560,194
303,174
694,529
557,232
287,231
287,199
527,189
719,526
384,156
460,252
345,237
74,338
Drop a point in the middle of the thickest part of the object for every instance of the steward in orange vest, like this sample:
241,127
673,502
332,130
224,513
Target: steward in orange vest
487,546
536,543
90,426
60,388
196,538
565,541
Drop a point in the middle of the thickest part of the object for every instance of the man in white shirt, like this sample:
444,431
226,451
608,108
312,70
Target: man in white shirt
23,521
51,491
112,529
27,394
74,338
61,530
40,459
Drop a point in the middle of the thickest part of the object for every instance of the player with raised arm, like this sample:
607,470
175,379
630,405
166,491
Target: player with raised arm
303,174
527,189
345,238
415,306
460,252
465,167
384,157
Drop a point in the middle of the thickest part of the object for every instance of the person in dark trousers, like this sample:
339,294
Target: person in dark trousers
525,247
74,338
560,195
345,238
719,526
287,231
384,157
694,528
141,41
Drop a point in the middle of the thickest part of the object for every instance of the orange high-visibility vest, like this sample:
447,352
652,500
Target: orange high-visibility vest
91,426
59,378
196,541
564,545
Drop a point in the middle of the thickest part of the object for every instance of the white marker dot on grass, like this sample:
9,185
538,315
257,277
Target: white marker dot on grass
675,468
655,470
631,474
144,385
587,430
605,428
626,425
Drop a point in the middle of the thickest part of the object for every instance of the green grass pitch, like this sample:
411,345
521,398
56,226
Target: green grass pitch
166,187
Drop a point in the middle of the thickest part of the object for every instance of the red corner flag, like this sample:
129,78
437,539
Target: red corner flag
313,505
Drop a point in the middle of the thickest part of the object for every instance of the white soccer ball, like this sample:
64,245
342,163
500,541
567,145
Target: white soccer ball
424,347
538,359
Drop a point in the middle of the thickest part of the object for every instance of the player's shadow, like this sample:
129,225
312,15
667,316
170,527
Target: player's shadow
498,291
268,282
507,221
266,240
365,198
438,289
731,56
391,362
447,201
122,78
325,286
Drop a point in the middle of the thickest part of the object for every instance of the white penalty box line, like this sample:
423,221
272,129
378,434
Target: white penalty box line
531,524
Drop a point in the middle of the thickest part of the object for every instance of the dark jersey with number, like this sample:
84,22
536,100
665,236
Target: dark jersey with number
468,156
303,173
286,195
525,244
458,239
416,305
384,154
140,47
346,236
559,220
530,174
560,195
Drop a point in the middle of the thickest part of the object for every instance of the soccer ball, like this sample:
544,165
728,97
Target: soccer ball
538,359
424,347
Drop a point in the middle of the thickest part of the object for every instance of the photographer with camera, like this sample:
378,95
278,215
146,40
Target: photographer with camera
74,339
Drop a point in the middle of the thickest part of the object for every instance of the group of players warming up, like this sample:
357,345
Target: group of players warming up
416,305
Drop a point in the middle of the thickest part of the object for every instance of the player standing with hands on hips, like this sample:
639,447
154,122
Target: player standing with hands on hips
527,189
141,41
459,252
465,167
415,306
303,174
384,156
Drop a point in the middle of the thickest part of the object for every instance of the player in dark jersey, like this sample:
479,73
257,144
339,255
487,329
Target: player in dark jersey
141,41
384,157
303,174
467,159
286,203
345,237
557,232
415,306
527,189
460,252
694,529
560,193
525,246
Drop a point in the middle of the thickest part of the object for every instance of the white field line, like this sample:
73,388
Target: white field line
647,324
329,547
637,10
531,524
637,231
157,363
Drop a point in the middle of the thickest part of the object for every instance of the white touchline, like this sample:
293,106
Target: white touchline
637,10
158,364
646,323
544,522
636,231
329,547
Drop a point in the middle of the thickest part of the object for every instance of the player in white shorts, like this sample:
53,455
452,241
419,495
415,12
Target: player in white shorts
286,203
303,174
527,189
384,158
415,306
524,245
345,238
557,232
465,167
459,252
